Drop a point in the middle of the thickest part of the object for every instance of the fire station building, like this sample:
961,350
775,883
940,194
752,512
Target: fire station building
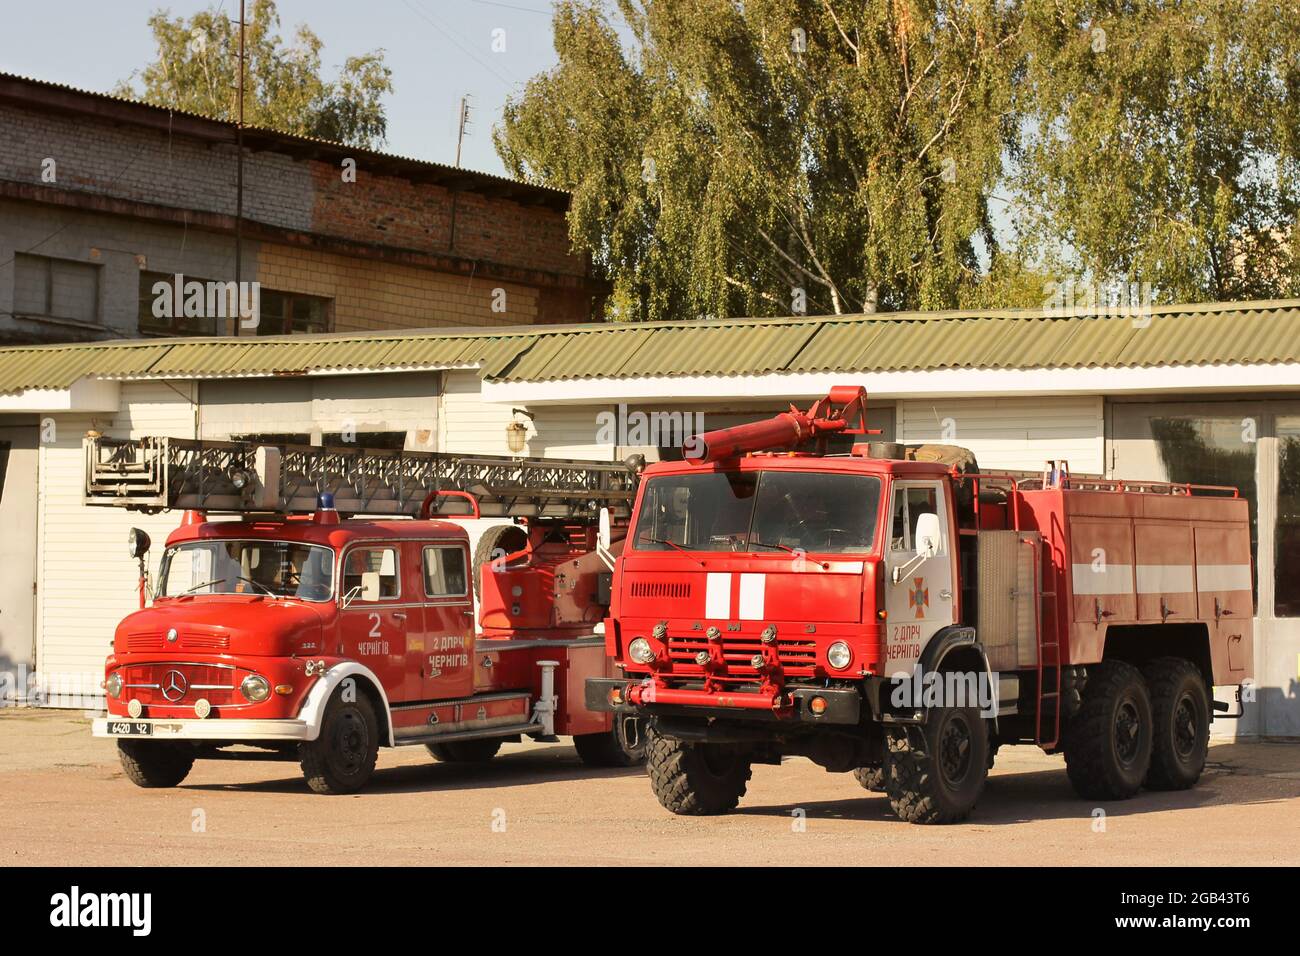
1204,393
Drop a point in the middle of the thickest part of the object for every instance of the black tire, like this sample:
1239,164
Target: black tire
1180,714
466,751
696,779
935,773
1107,743
342,759
620,746
154,765
871,778
497,540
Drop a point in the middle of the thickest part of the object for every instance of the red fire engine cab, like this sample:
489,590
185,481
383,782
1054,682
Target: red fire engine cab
310,635
902,618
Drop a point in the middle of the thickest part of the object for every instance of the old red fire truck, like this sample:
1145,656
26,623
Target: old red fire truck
296,631
902,618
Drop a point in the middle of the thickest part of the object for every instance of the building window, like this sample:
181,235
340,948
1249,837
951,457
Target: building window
1286,583
60,289
1212,451
161,313
284,313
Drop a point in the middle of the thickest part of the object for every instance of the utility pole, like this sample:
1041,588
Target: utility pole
239,182
462,125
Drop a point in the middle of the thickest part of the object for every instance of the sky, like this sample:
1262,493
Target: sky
438,50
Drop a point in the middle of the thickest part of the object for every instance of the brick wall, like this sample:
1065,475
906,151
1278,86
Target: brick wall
371,294
144,165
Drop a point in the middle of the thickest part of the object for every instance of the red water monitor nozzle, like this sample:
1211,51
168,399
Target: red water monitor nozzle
842,412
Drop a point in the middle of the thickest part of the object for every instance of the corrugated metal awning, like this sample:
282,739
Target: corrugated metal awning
1176,335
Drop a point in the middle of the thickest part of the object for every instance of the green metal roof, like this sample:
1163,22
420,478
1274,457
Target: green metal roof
1205,334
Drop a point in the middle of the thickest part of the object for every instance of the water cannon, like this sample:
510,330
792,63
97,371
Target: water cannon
842,412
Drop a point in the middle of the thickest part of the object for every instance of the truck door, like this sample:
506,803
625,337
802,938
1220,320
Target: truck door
373,624
918,586
448,621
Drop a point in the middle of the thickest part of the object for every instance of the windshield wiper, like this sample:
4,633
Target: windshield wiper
677,547
257,584
782,547
205,584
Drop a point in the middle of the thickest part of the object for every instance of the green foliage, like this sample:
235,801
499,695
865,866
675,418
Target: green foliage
734,153
716,165
197,69
1161,142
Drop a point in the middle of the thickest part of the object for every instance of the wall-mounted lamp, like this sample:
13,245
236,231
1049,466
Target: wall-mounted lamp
517,432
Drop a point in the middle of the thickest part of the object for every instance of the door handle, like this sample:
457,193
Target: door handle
399,615
946,594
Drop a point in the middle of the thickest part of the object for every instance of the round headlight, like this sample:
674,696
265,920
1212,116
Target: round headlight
113,685
255,689
641,651
838,655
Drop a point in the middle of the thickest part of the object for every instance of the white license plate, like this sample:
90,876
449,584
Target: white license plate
130,728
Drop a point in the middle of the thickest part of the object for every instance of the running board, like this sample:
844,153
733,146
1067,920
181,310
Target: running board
481,733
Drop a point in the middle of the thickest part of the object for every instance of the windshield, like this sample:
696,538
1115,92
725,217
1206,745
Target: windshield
274,568
822,512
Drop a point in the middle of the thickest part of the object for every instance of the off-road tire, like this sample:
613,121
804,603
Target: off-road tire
466,751
871,778
150,764
1180,712
935,772
1107,743
342,759
696,779
613,748
507,538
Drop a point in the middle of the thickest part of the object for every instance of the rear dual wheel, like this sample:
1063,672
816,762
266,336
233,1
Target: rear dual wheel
623,745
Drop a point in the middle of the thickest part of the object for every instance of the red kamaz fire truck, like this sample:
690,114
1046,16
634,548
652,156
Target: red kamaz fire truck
321,636
902,618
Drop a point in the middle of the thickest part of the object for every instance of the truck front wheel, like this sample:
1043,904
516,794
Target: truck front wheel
1108,742
935,772
871,778
696,779
150,764
1180,710
623,745
342,759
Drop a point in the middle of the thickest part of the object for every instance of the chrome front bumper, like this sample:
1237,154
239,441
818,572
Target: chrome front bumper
214,729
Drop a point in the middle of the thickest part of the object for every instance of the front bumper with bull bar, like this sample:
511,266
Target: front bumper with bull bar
842,705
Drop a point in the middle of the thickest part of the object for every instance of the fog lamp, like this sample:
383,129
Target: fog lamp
838,655
641,651
817,706
113,685
135,708
202,708
255,689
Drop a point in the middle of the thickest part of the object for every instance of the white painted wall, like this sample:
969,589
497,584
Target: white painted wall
1014,434
86,582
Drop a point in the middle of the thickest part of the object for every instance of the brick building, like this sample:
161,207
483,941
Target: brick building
102,199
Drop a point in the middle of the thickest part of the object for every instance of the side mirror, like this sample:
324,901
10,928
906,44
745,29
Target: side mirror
929,535
138,542
603,533
370,586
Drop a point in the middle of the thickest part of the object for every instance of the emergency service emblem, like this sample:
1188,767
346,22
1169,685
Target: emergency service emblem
918,596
